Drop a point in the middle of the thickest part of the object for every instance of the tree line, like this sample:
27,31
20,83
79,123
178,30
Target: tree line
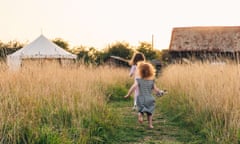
92,55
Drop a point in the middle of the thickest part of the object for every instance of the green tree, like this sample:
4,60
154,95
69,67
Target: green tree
95,55
88,55
121,49
61,43
148,51
9,47
82,54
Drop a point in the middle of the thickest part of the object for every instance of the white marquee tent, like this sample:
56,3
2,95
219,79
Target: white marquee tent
40,48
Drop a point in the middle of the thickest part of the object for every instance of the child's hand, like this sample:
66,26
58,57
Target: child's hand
126,96
161,93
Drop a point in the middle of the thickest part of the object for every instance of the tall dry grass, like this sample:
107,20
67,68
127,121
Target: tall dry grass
210,94
39,104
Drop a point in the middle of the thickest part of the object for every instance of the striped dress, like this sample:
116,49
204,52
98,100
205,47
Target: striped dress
145,99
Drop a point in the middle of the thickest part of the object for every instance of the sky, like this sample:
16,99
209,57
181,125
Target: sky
99,23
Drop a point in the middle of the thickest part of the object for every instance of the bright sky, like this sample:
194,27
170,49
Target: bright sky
98,23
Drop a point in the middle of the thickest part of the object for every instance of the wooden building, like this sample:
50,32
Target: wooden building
205,43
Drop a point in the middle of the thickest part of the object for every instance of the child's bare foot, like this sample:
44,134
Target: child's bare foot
140,118
151,127
134,108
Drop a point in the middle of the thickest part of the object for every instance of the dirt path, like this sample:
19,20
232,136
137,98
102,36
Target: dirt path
164,132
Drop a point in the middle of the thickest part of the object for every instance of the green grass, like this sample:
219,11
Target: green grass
165,131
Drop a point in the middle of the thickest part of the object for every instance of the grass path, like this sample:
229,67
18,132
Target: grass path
164,131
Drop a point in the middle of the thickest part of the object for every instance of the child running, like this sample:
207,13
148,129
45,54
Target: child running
137,57
145,84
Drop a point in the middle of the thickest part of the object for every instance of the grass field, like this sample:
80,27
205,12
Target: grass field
52,104
206,98
85,104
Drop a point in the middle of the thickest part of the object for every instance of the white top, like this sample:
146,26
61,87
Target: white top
133,70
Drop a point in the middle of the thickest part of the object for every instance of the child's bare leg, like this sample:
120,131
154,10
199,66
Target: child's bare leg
149,117
134,103
140,117
135,100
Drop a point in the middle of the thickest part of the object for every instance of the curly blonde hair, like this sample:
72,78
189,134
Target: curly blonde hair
146,70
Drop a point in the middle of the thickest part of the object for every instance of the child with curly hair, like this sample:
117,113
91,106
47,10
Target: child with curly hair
145,84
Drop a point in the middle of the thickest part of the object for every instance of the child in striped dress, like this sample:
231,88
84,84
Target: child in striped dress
145,84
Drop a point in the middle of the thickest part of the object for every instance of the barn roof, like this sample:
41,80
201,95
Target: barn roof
213,38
